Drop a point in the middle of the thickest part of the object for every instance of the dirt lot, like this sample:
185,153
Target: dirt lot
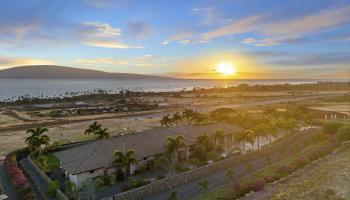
75,132
328,178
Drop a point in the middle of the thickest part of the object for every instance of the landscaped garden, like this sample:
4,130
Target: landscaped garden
207,148
291,159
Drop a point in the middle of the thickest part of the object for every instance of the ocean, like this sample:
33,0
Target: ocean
13,88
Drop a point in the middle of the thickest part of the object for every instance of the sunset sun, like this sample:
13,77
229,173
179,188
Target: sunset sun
226,68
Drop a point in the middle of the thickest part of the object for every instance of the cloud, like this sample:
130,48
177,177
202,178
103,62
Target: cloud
185,42
138,29
98,29
249,40
341,38
209,16
288,28
102,35
143,61
110,44
241,26
314,59
265,42
6,61
280,41
105,3
324,19
103,61
178,37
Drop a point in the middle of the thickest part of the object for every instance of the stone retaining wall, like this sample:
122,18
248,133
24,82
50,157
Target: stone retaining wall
169,182
59,194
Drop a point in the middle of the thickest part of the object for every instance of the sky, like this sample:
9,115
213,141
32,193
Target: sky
258,39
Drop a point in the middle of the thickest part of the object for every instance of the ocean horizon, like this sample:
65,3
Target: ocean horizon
13,88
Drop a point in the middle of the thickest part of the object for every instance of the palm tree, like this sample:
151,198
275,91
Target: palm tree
260,131
218,135
203,146
167,162
102,134
244,120
124,160
176,118
174,144
103,180
93,128
188,114
272,127
166,121
245,136
37,139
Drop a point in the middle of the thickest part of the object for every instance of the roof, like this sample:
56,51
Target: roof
99,153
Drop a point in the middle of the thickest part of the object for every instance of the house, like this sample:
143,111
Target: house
327,114
94,158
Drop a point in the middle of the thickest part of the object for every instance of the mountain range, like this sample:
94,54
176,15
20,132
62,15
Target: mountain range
62,72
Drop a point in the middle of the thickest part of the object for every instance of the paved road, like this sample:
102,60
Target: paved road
190,189
5,182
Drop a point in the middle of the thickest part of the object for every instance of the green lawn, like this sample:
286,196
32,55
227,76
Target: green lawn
52,163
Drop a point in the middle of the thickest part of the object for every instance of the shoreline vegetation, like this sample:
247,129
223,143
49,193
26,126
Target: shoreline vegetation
138,92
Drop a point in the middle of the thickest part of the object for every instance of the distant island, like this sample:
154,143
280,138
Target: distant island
62,72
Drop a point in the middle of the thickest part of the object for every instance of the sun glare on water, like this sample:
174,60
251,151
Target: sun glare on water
226,68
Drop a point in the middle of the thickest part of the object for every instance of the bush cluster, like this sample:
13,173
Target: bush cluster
17,177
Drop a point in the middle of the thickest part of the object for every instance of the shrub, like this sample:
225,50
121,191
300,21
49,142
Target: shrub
300,162
343,133
160,176
255,186
53,186
285,170
330,128
16,175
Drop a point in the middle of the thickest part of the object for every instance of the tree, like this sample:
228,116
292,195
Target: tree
166,121
331,128
167,162
174,144
102,134
93,128
272,127
203,147
289,125
244,120
223,114
218,135
245,136
88,190
103,180
37,139
188,114
176,118
124,160
260,130
198,118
